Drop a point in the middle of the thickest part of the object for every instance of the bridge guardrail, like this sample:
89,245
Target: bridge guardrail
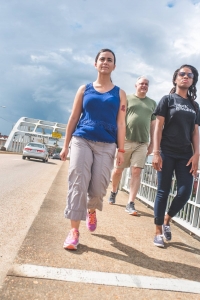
189,215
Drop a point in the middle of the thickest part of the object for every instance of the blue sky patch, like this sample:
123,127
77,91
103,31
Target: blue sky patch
170,4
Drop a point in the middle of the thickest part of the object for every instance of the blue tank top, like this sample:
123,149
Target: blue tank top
98,121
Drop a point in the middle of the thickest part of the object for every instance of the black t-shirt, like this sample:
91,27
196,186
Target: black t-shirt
180,119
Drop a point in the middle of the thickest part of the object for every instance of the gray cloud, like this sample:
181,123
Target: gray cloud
48,50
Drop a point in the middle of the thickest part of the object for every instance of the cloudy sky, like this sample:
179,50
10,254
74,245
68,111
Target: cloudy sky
48,48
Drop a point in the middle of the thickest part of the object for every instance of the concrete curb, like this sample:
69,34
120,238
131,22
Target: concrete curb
8,152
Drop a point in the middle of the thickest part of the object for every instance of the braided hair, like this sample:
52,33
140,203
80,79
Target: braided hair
192,91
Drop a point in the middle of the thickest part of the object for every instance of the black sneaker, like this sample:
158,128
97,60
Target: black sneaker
111,200
167,232
130,208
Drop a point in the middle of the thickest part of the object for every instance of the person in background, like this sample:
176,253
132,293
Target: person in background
140,123
176,148
96,128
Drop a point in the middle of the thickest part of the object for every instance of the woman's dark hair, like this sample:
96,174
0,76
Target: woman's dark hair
105,50
192,91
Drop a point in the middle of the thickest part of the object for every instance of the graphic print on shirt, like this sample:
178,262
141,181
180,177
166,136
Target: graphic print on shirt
184,108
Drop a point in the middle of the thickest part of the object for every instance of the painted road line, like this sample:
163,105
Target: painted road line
103,278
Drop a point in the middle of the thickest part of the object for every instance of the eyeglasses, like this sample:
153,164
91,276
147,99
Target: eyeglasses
189,75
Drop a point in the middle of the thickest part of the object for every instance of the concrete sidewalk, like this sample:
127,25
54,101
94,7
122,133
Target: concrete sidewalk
119,252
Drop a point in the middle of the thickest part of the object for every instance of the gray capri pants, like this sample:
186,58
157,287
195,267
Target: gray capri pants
90,169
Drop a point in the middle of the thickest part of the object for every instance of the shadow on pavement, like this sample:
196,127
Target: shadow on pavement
138,258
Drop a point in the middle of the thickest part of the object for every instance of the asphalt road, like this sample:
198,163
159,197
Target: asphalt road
23,187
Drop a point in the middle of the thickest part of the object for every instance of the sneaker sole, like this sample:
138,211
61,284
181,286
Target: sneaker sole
91,230
133,213
70,247
111,203
159,245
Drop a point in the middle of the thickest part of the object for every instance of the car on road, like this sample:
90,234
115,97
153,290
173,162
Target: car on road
35,150
56,156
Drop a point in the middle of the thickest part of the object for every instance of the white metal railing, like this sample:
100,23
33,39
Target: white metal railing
28,129
189,215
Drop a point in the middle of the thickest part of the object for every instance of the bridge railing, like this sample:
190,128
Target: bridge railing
189,215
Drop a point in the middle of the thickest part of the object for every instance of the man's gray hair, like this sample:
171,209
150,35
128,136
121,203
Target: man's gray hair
142,76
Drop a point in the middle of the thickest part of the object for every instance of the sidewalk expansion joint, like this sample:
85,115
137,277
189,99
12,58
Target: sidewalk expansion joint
103,278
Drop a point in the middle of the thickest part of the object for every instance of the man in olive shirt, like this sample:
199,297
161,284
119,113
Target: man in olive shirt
140,123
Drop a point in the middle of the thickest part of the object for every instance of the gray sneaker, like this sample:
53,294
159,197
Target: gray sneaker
130,208
111,200
158,241
167,232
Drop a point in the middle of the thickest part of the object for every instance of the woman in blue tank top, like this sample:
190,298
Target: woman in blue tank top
95,129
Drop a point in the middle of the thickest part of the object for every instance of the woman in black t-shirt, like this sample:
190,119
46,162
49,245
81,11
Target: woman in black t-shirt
176,148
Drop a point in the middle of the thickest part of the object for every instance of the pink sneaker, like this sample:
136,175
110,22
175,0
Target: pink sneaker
91,221
71,241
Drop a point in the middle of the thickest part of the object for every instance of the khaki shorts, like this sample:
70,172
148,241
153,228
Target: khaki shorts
135,155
